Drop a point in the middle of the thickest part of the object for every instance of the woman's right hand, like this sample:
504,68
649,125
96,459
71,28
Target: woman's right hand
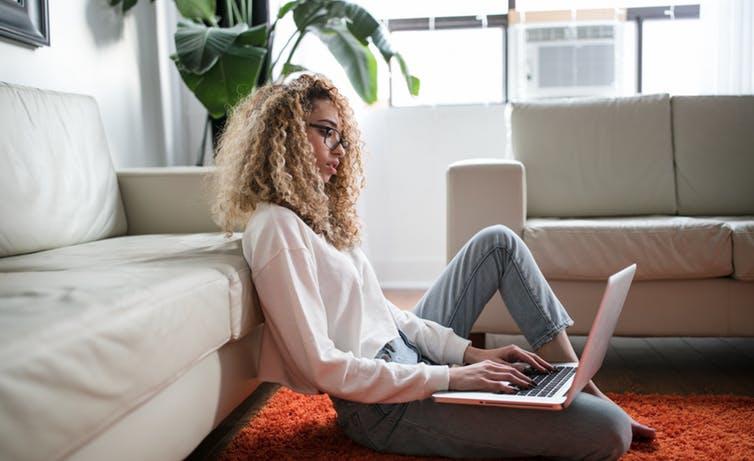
488,376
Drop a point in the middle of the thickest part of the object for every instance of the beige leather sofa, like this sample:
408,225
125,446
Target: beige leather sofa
597,184
126,319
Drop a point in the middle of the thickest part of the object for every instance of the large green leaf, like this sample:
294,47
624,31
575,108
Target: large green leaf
200,10
355,57
360,23
363,25
380,40
199,47
254,36
287,7
233,76
128,4
412,82
310,12
289,68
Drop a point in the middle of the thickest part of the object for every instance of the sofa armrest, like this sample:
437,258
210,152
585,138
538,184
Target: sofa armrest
166,200
483,192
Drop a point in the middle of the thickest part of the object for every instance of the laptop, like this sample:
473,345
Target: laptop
556,390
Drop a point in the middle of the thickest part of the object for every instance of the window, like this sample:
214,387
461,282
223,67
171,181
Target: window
538,50
670,56
456,66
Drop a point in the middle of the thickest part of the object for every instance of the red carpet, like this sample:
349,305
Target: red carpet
294,426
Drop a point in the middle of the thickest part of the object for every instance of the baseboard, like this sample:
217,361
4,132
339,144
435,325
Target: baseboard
417,286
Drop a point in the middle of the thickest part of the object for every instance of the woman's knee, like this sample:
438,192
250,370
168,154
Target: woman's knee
497,234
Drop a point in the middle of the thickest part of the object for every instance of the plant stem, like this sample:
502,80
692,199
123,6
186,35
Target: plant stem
281,53
249,8
237,13
244,13
295,45
228,14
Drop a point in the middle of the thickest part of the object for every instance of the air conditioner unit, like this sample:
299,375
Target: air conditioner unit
559,60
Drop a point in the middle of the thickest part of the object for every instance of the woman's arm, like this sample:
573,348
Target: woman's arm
297,320
437,342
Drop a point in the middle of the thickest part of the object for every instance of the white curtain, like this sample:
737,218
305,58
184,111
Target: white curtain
728,53
183,116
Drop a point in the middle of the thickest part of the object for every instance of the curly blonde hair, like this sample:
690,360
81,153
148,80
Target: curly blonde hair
264,155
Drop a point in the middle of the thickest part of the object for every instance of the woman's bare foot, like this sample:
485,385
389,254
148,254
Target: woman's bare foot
559,349
640,431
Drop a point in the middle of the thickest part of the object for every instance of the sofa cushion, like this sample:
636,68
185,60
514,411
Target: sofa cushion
664,247
742,228
714,154
57,180
93,330
596,157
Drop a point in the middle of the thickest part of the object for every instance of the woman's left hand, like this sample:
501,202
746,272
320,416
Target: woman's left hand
507,355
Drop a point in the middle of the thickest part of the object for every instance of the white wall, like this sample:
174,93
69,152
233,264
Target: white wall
409,150
95,50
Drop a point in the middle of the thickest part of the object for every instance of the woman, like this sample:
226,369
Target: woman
290,169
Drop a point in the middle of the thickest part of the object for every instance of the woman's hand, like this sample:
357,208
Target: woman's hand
488,376
507,355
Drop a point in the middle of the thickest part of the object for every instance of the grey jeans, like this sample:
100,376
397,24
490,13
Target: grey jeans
495,259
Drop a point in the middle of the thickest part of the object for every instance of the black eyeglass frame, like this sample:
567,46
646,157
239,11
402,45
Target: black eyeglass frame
341,139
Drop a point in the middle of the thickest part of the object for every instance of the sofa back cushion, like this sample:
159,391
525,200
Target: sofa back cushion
713,137
595,157
57,181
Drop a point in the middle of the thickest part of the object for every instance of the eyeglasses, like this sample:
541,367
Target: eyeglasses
331,136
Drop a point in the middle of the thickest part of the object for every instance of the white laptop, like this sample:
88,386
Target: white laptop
555,391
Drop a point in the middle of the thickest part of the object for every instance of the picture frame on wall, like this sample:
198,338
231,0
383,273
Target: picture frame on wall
25,21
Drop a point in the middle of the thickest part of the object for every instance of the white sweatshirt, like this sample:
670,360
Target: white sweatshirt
326,318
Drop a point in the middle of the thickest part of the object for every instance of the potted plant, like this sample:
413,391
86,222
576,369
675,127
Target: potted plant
222,57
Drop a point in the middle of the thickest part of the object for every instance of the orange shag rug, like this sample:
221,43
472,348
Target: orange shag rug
295,426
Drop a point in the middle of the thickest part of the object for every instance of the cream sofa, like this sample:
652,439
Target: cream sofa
127,322
597,184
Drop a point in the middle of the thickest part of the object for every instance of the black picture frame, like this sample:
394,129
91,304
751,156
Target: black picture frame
25,21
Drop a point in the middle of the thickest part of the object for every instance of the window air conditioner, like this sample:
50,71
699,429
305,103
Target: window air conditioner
567,60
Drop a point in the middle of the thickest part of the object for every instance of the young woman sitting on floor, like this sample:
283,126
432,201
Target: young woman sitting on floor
290,170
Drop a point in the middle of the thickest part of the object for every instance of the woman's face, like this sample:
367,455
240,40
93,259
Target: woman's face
324,132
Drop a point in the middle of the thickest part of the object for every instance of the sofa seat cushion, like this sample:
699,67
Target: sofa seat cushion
664,247
742,228
93,330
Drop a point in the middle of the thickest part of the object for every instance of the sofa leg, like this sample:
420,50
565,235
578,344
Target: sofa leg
478,340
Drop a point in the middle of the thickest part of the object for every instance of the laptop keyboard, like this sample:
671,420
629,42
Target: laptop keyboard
547,384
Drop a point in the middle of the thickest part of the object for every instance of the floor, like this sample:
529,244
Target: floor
644,365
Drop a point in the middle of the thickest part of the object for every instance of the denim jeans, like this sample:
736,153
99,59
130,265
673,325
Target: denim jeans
495,259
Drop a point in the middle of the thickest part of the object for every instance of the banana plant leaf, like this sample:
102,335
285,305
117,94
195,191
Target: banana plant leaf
289,68
199,47
324,14
232,76
354,56
198,10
